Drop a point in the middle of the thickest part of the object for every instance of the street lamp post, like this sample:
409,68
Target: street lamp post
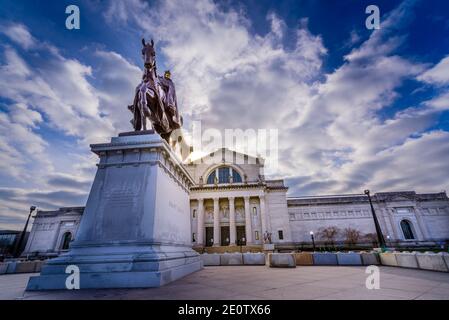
380,236
22,235
241,244
313,240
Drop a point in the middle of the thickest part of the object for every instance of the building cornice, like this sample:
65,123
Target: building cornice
233,186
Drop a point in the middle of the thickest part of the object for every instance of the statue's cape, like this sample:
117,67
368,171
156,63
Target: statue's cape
170,102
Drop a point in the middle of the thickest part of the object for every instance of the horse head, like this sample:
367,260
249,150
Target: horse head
148,54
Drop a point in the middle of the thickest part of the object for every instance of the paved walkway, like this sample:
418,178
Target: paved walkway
259,282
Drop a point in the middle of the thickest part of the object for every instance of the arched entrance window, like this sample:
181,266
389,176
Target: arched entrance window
406,227
224,175
66,238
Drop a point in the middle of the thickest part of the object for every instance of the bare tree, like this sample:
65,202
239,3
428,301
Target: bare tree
328,234
352,236
371,238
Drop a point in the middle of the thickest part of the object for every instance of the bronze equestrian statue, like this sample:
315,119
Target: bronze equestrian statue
155,98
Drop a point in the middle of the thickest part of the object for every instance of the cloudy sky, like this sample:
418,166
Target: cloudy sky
354,108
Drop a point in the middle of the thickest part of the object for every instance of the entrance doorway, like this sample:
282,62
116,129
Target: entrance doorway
241,233
209,236
224,236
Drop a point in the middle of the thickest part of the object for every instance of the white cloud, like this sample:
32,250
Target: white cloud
19,113
20,148
60,90
115,90
330,131
332,137
438,75
19,34
440,102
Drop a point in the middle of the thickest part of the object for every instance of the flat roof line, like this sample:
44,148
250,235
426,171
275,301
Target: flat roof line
327,196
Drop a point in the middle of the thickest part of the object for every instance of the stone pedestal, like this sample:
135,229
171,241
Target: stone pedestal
135,230
268,248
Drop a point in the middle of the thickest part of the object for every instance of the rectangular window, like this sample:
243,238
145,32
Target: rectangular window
68,223
256,234
193,237
281,235
403,210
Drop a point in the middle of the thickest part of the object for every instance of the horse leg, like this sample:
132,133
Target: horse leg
136,122
144,122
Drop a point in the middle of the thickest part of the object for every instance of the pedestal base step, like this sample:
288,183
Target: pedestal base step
111,279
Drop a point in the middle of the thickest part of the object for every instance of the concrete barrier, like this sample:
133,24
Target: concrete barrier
11,267
349,259
388,259
325,259
431,261
446,259
254,258
25,267
304,259
231,259
407,260
210,259
281,260
3,267
370,258
39,265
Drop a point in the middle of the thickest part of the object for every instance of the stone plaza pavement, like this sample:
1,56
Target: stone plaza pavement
260,282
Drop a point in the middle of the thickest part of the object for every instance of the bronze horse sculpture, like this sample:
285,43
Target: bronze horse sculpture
155,98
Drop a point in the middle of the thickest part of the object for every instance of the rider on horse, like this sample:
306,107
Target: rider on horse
155,98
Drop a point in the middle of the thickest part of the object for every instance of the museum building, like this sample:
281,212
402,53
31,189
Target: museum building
232,204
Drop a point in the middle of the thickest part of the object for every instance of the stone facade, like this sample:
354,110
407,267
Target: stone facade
51,228
232,204
426,214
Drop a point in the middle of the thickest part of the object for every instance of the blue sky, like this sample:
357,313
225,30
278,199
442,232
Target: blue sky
354,108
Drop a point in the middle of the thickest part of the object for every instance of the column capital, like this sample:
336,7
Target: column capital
246,198
231,198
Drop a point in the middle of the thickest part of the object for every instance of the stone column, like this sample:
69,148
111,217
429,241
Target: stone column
263,214
248,229
394,235
419,228
200,221
421,223
216,223
232,230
